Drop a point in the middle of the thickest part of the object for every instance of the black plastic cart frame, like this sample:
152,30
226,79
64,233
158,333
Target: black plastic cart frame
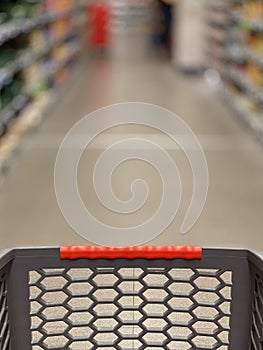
215,302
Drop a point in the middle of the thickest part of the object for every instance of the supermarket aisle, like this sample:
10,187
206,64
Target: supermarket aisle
29,214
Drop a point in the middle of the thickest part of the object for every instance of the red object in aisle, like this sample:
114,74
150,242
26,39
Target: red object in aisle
98,26
150,252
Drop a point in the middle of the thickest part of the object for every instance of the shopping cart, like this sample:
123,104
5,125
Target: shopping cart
131,298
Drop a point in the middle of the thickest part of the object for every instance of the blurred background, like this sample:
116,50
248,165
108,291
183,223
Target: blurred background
201,59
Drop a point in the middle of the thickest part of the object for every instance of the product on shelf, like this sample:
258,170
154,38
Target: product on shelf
35,79
253,9
58,6
10,91
19,10
37,40
7,55
59,29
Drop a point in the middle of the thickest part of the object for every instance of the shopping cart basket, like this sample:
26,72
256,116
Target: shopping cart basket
150,298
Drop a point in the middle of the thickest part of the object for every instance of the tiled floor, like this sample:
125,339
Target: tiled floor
29,214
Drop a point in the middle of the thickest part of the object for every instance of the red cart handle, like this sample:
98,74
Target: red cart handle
96,252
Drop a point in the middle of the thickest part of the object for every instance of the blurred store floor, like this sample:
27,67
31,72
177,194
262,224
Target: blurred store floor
29,214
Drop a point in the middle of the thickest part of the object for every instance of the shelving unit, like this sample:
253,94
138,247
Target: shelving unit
130,16
39,42
30,116
238,57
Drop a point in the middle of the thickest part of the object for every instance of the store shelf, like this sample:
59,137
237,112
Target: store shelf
252,120
17,104
248,88
245,54
128,17
14,28
19,101
242,65
249,23
217,52
254,56
218,20
29,57
218,6
41,70
74,49
217,36
30,117
217,23
240,103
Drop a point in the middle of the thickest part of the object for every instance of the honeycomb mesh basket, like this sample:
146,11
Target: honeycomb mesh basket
85,298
